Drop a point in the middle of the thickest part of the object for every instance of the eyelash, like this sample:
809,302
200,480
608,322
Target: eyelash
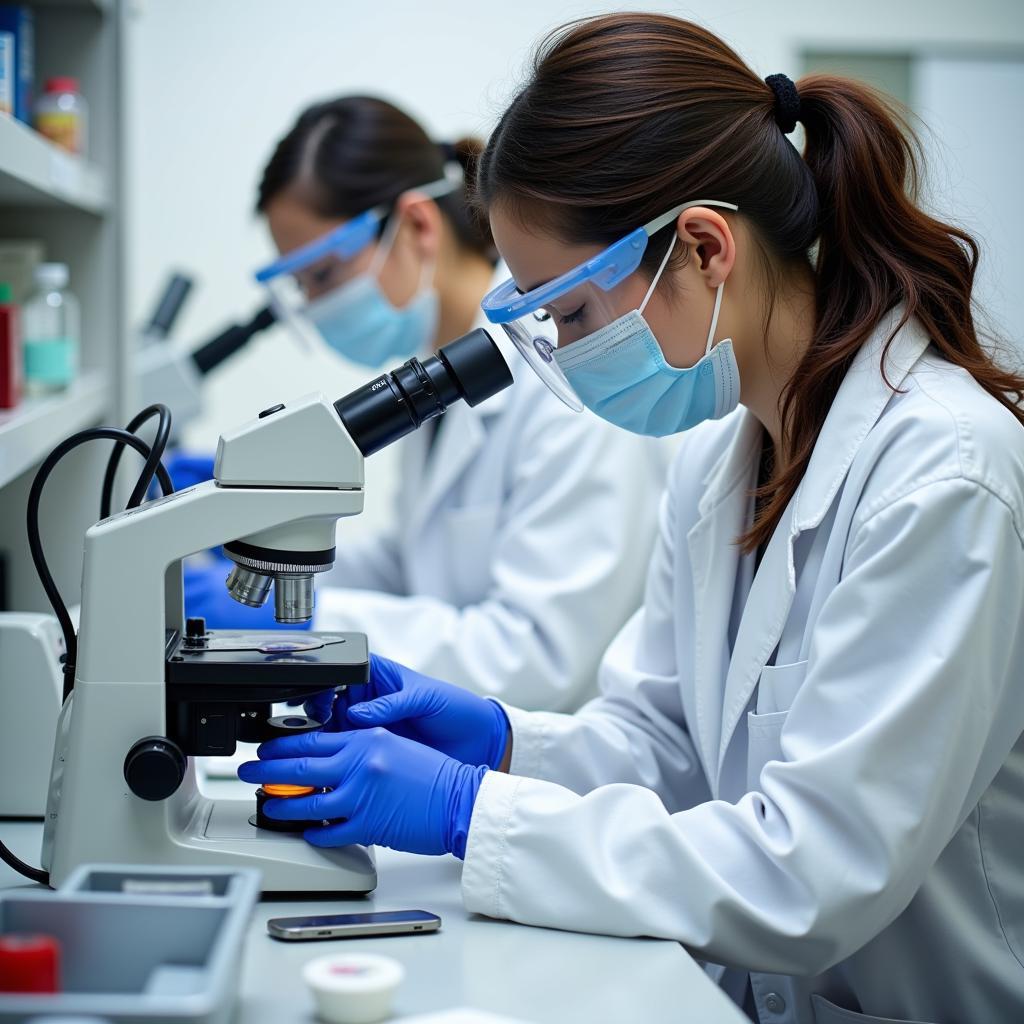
572,318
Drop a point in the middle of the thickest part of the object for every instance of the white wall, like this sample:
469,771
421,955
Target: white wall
215,82
977,155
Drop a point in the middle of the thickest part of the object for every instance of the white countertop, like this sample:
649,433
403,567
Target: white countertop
533,974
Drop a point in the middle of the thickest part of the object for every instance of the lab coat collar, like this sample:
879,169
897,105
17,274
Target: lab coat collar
496,404
458,442
464,431
857,407
733,469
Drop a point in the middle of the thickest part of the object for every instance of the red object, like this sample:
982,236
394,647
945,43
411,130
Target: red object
62,83
29,963
10,351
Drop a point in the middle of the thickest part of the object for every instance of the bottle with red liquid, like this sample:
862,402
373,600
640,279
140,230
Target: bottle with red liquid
10,350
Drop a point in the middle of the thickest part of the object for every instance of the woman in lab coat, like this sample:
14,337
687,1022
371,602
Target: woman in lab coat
806,762
522,532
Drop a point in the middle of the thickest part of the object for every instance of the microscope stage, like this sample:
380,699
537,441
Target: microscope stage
271,665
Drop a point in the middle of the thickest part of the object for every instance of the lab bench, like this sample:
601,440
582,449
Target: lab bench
530,974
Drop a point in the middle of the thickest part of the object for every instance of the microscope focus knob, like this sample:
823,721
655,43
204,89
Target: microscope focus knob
154,768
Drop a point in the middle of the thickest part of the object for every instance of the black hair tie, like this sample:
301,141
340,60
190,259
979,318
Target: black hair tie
449,152
787,102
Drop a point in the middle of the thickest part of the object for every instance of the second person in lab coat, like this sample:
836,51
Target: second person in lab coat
522,531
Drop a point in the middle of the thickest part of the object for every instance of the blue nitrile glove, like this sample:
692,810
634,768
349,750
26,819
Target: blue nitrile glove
392,791
440,715
207,596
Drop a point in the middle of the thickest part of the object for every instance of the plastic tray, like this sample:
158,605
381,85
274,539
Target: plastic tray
138,944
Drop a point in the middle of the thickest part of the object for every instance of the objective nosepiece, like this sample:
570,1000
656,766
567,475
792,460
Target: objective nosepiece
291,573
248,587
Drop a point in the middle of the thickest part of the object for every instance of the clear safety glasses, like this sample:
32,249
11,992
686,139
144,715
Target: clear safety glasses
577,303
299,280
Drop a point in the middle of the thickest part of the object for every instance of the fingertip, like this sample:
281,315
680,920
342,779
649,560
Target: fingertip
250,771
338,834
315,837
315,744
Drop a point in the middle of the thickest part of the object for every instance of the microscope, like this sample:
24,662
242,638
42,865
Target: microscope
151,691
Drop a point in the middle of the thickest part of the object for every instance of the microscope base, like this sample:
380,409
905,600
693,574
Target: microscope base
217,833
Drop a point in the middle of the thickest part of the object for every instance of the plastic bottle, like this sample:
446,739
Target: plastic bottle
10,350
62,115
51,330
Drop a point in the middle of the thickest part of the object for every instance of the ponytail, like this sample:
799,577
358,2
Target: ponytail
876,248
470,224
626,115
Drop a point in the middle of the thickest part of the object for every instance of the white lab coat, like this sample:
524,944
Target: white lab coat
845,819
520,547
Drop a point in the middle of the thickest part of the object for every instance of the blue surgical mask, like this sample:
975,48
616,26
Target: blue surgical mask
359,322
619,372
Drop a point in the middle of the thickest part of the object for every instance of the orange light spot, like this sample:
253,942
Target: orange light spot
282,789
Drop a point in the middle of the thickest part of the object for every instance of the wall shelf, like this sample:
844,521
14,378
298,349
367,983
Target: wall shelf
34,172
73,208
28,433
94,5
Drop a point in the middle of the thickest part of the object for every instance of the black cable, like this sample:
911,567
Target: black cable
152,467
35,874
163,432
35,545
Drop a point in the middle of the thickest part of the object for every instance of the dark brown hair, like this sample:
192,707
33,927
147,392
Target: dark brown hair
350,154
627,114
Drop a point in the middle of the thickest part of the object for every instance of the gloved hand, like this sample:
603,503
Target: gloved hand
392,791
448,718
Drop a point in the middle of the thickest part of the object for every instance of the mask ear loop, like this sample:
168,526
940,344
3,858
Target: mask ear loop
427,274
714,318
428,271
657,276
385,246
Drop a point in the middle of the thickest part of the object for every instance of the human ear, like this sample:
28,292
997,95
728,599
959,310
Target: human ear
708,233
421,218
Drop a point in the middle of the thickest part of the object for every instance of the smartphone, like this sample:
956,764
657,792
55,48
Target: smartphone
353,926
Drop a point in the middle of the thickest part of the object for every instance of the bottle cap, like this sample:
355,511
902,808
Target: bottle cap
5,292
52,275
62,83
29,963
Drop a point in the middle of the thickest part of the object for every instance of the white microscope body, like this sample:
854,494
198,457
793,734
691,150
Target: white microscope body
283,480
151,690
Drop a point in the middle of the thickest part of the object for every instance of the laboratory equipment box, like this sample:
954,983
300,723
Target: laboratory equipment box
138,944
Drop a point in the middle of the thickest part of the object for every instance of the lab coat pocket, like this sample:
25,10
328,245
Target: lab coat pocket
828,1013
469,544
763,745
778,686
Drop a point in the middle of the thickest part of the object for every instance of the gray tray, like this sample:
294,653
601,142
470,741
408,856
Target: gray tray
138,944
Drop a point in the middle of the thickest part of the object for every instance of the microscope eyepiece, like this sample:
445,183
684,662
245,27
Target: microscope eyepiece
380,412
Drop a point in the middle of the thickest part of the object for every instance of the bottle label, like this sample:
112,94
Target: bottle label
51,361
63,129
